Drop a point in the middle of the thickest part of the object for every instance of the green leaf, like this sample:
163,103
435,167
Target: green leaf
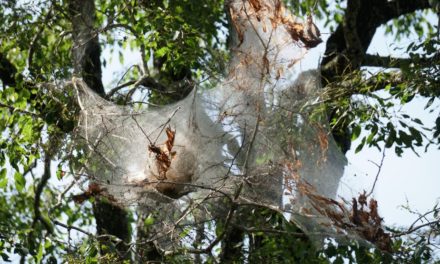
3,183
121,57
185,232
149,221
48,222
429,103
3,173
39,255
418,121
356,131
391,137
5,257
398,151
20,181
416,135
47,244
406,139
373,133
60,172
360,146
161,52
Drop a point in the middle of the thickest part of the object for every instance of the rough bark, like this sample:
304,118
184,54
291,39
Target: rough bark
86,50
231,247
113,220
146,250
7,71
110,219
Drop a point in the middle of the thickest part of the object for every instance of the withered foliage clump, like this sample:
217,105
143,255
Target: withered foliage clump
94,190
164,154
360,218
368,223
306,32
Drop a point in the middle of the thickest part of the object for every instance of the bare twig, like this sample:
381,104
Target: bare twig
234,204
268,230
424,216
69,227
140,127
119,87
248,151
265,45
379,168
62,194
75,82
413,229
166,123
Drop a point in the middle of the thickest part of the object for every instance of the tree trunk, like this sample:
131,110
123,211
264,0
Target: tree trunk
110,219
146,251
86,50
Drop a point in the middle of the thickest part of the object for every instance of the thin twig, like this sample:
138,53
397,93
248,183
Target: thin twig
268,230
265,45
413,229
69,227
254,134
61,195
234,204
166,123
119,87
423,216
379,168
139,126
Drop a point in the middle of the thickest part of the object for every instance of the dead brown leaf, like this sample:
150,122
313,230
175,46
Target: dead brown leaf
164,155
256,5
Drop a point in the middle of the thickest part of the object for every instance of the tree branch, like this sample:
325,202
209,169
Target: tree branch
370,15
413,229
146,81
69,227
379,168
268,230
353,85
352,41
39,191
118,88
347,46
391,62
